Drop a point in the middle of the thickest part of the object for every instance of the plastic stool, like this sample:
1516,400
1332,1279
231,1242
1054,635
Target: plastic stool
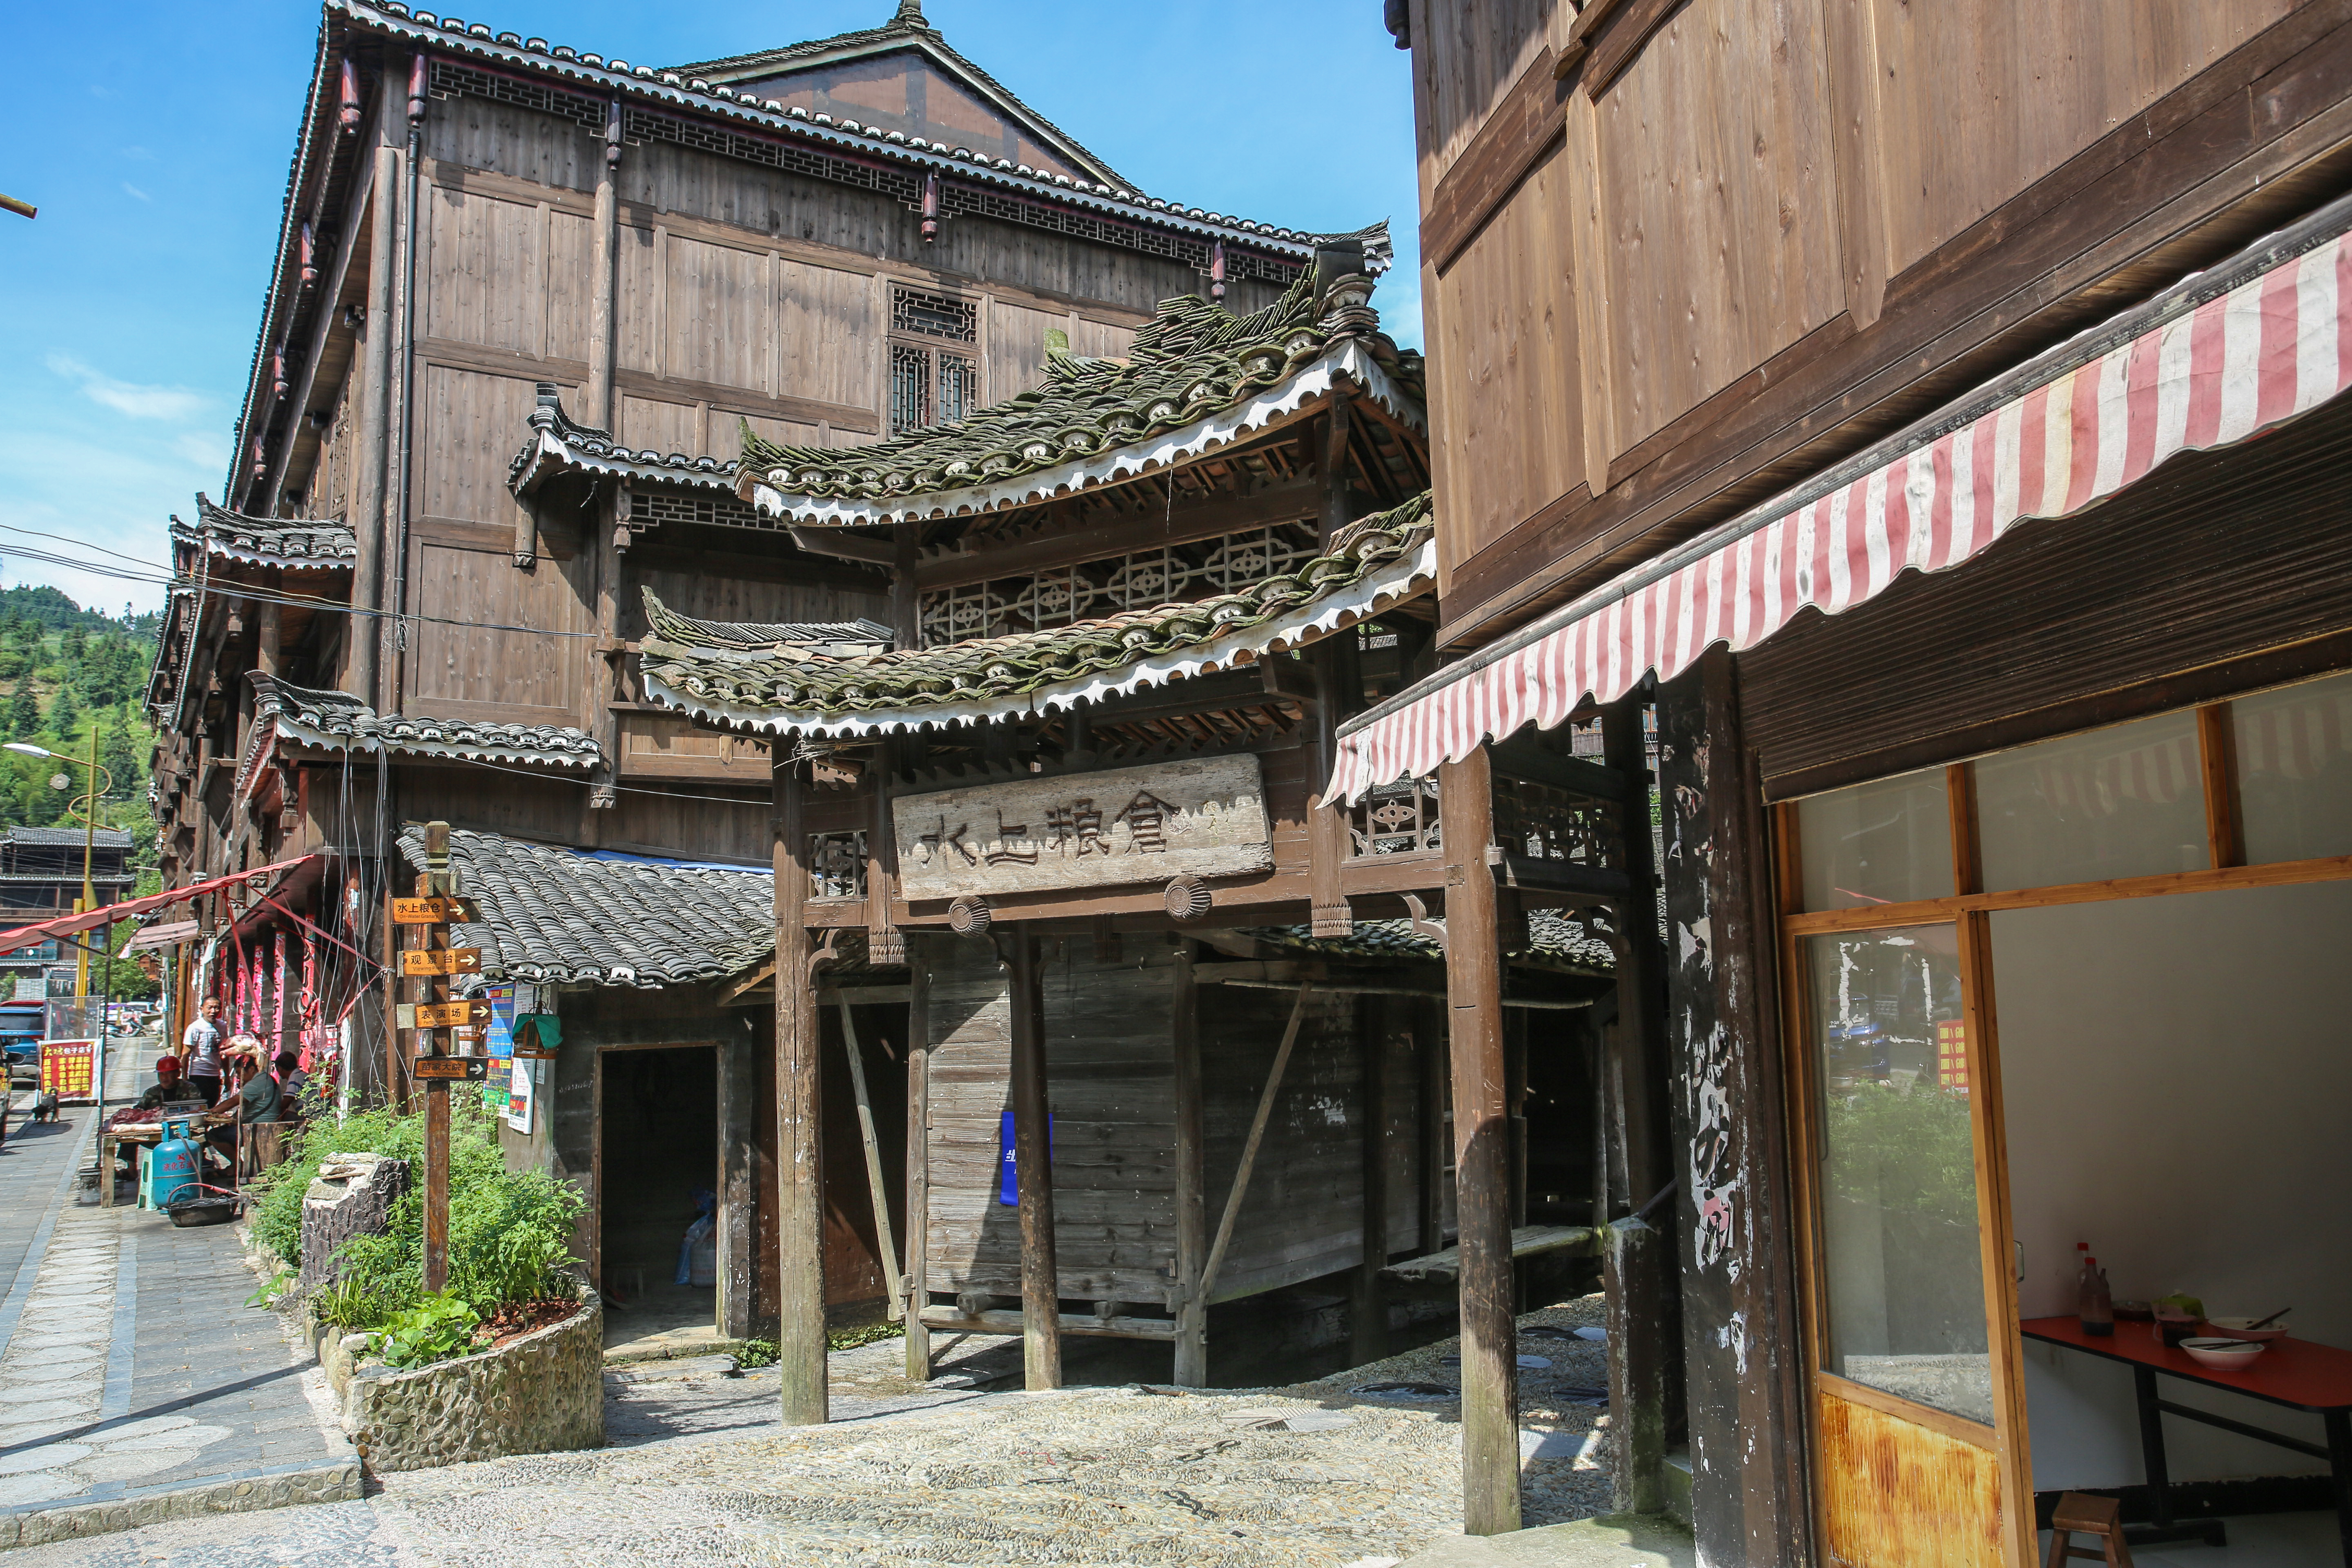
2080,1514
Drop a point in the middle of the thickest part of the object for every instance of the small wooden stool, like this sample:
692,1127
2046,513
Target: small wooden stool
2077,1514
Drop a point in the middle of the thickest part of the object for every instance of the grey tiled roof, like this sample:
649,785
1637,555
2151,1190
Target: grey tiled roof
1374,563
30,837
295,544
1555,941
553,914
339,722
558,439
909,27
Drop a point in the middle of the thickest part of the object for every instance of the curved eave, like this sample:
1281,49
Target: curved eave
462,751
1166,450
276,563
1303,624
548,453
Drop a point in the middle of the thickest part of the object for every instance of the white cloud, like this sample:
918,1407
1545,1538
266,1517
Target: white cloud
171,404
131,190
209,453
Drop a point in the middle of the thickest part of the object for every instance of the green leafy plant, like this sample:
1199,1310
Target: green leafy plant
509,1233
850,1338
349,1305
756,1353
439,1327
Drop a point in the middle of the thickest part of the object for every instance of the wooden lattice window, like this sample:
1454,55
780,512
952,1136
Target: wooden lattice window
836,864
932,384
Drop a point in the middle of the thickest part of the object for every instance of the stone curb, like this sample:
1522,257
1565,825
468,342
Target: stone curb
339,1482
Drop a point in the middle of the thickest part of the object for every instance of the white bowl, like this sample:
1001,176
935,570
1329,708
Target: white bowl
2236,1329
2222,1355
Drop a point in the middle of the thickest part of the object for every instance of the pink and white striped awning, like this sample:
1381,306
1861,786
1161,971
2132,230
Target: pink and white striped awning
2214,364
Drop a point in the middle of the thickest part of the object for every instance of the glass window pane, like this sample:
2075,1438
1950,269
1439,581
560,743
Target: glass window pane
1880,843
2128,801
2294,771
1902,1279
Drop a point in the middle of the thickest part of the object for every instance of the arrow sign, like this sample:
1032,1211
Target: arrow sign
450,1014
442,961
436,912
469,1069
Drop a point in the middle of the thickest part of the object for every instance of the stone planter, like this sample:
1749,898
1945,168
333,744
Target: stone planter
538,1394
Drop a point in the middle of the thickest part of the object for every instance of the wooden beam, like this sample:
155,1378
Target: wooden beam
919,1162
1482,1181
371,516
1041,1350
1527,1241
800,1118
876,1190
1431,1132
1191,1304
1249,1148
596,398
947,1320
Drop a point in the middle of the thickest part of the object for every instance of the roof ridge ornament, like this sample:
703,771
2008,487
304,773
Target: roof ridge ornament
910,15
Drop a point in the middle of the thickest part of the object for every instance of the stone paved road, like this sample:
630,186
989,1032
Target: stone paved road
129,1362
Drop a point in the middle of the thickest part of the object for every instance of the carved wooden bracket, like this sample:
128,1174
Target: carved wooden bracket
1422,926
827,953
970,915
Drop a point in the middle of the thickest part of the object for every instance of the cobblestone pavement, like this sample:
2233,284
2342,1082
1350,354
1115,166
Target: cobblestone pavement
1319,1474
129,1364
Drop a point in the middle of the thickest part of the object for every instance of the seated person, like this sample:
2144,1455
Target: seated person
169,1087
258,1099
292,1084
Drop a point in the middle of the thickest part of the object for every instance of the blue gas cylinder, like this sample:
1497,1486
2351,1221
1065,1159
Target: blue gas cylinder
172,1164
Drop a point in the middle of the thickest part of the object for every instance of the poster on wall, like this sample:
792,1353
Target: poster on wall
499,1038
522,1095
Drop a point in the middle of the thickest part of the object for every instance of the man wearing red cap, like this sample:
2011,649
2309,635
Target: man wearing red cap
170,1088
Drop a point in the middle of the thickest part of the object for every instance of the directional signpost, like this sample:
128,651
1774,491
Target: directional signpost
426,963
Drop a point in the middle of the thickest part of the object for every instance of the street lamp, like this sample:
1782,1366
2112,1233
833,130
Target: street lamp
89,815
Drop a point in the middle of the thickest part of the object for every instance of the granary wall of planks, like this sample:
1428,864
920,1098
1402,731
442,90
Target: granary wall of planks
1676,257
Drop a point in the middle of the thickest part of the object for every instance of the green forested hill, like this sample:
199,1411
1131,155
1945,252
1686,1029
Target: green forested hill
66,671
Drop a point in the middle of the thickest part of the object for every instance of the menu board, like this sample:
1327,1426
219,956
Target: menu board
69,1068
499,1039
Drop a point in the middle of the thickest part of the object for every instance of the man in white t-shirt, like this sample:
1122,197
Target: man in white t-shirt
201,1047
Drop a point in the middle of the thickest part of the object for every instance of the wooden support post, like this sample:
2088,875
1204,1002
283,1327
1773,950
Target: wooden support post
597,397
1634,1275
1040,1311
1735,1269
436,880
799,1209
371,512
877,1191
1482,1155
1326,821
1190,1306
918,1160
1233,1211
395,1076
1367,1306
739,1225
270,653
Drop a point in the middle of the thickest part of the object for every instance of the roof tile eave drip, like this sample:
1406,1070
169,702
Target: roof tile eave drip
1384,560
670,88
1193,380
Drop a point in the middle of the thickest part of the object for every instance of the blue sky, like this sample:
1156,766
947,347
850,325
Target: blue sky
155,140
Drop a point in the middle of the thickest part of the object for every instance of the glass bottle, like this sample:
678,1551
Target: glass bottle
2093,1302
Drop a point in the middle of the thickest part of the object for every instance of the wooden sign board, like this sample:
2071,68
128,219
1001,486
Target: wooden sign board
435,912
444,961
451,1015
1204,815
467,1069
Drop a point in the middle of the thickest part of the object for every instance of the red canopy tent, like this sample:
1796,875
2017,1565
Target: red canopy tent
66,925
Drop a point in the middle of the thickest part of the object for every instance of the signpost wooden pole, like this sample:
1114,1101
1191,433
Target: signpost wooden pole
427,963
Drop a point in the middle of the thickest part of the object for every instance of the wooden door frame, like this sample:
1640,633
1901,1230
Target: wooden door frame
596,1141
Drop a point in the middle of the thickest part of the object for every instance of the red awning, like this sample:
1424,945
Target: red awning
66,925
2221,357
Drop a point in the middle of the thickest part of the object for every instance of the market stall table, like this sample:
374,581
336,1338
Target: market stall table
2292,1372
